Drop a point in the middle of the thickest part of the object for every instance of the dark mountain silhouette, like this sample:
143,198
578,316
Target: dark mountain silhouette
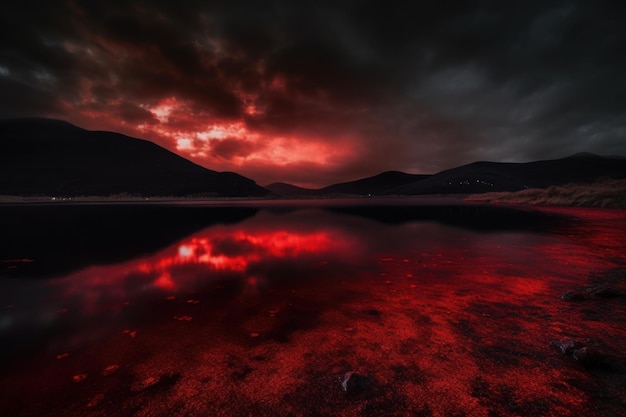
288,190
482,177
55,158
376,185
478,177
52,157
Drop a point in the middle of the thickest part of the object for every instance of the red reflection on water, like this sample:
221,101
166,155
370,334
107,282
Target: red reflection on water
443,320
165,281
191,264
235,250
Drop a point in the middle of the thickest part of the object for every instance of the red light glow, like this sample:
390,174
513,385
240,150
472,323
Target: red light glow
219,250
237,250
267,316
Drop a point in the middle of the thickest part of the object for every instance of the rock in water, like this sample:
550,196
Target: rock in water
353,383
587,355
567,347
582,352
573,296
604,292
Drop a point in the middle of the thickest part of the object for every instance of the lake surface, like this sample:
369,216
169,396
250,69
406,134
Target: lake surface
263,308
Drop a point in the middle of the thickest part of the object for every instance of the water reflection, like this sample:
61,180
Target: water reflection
41,241
232,249
264,311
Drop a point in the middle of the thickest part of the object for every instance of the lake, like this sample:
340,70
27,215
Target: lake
416,307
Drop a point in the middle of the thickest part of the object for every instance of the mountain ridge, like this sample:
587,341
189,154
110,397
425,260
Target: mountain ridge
49,157
373,185
483,176
480,177
54,157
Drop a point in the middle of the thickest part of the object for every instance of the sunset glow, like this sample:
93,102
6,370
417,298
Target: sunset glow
315,95
234,145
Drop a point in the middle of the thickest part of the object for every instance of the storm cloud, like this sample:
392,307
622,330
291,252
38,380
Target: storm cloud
320,92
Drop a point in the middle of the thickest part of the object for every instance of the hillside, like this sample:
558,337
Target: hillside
289,190
475,178
370,186
376,185
480,177
55,158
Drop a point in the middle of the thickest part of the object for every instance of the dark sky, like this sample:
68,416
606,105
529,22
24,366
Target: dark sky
313,92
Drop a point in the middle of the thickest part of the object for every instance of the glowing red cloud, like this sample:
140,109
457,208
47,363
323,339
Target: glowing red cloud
259,127
234,144
221,145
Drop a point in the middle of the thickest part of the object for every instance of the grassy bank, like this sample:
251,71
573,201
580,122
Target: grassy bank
604,192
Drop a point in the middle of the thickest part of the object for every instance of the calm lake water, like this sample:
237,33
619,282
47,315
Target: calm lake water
439,309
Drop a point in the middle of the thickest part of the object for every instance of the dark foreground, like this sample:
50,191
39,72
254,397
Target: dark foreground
194,311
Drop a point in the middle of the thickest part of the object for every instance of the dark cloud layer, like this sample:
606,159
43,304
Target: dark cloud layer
319,92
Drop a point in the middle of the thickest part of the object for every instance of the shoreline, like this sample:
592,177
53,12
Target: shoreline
603,193
571,195
96,200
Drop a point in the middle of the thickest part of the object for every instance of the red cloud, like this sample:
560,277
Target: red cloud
230,148
243,99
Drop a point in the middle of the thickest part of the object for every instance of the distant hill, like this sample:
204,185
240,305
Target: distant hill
376,185
480,177
55,158
475,178
289,190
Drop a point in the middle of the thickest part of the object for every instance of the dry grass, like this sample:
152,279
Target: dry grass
604,192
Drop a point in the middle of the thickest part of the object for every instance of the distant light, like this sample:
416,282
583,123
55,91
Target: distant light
185,251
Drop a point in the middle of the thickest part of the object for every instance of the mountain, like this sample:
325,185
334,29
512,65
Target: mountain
480,177
475,178
289,190
376,185
55,158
